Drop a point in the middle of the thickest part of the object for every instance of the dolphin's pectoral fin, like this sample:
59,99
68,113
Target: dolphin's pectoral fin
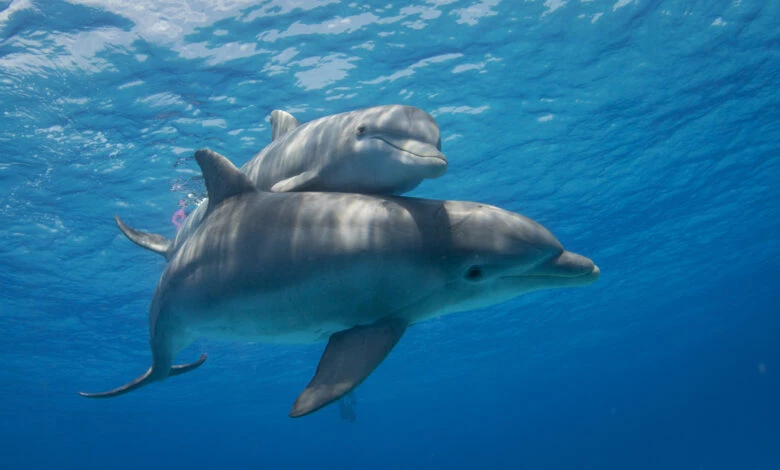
301,182
281,123
349,358
146,379
150,241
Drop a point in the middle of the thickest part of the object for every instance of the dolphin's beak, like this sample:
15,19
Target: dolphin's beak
568,269
431,156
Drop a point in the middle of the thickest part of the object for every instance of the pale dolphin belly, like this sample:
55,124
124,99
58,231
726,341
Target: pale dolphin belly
310,309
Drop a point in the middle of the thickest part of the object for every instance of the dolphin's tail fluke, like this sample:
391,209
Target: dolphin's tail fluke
150,241
135,384
146,379
184,368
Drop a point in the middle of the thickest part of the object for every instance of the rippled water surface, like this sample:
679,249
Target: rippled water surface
643,133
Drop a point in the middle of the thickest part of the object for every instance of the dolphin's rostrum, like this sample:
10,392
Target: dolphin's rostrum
355,270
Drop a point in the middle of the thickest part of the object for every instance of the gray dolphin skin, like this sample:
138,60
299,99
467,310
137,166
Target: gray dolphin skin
380,150
351,269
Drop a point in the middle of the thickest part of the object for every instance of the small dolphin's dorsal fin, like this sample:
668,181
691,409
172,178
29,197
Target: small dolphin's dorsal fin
349,358
150,241
223,179
282,122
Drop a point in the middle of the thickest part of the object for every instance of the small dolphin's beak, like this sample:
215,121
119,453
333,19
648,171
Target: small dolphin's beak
430,156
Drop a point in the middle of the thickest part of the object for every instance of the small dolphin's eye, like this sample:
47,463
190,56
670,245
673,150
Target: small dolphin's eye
361,130
474,273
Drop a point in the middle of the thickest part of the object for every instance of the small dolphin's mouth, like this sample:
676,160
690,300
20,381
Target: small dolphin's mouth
416,148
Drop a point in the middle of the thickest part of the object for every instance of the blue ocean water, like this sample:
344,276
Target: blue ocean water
643,133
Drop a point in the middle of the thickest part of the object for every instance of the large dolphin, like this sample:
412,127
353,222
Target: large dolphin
380,150
355,270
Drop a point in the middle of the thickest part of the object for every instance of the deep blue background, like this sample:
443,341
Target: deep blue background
643,133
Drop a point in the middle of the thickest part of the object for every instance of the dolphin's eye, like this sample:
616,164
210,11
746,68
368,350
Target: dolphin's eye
474,273
361,130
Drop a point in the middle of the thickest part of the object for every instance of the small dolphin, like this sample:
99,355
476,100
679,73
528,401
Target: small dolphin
353,269
380,150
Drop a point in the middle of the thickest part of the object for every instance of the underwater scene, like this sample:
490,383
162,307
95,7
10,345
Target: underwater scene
504,234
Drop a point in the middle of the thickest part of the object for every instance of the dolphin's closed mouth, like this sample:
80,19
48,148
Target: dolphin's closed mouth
550,280
415,147
566,269
590,275
594,273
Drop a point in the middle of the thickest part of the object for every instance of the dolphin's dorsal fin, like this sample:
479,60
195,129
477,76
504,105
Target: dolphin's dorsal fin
350,356
223,179
282,122
150,241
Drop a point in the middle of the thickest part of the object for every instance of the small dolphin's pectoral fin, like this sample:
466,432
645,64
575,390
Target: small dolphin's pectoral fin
281,123
146,379
305,181
150,241
223,179
349,358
